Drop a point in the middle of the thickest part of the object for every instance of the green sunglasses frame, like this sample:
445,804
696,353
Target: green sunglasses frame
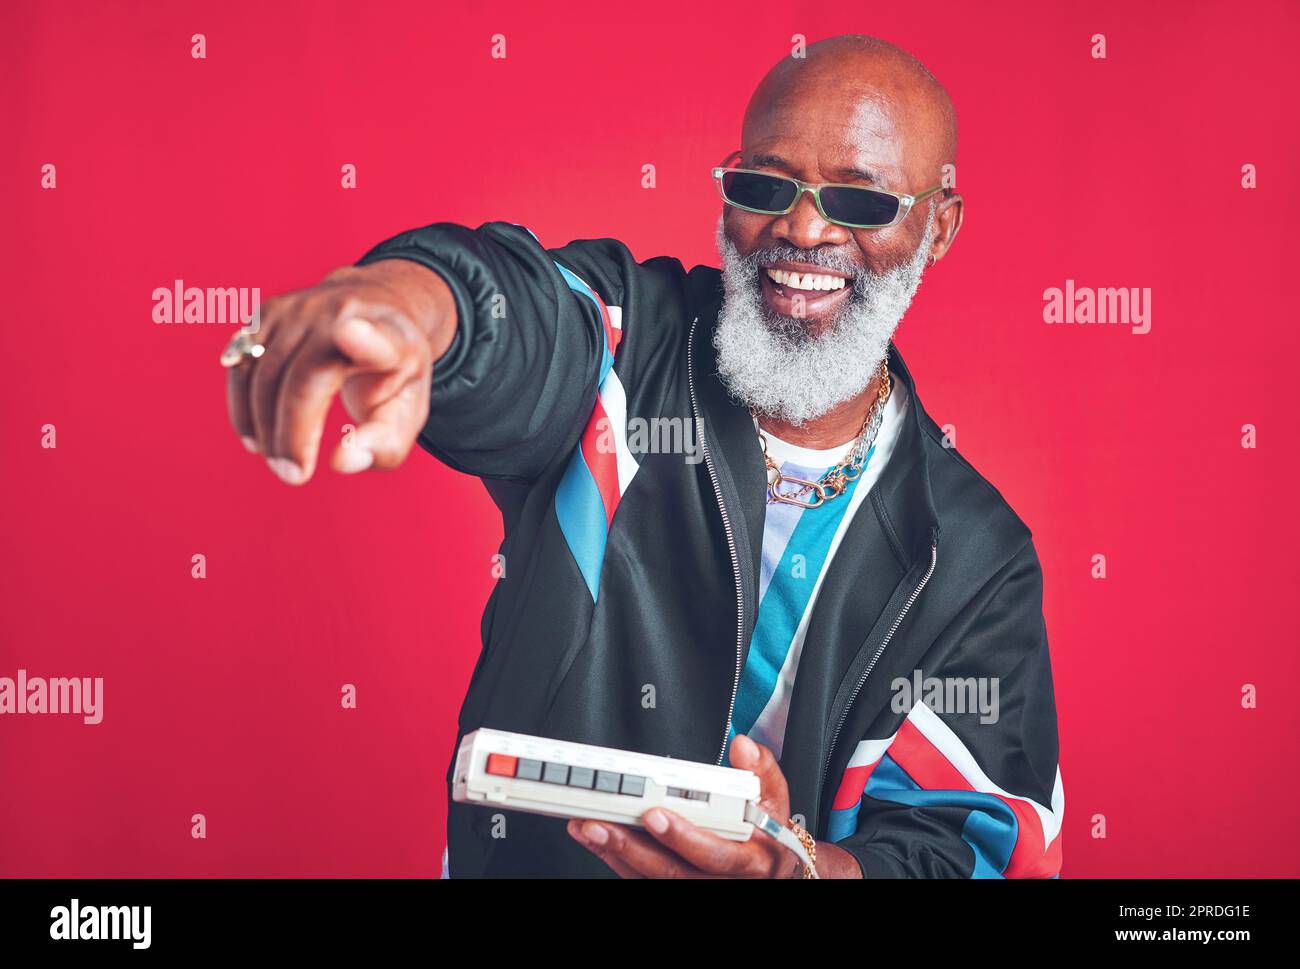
905,202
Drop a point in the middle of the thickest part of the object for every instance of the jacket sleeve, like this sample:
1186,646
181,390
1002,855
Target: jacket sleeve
536,334
974,794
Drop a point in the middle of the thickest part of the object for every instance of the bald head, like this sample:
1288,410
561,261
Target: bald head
868,90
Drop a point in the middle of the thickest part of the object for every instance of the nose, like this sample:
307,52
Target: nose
804,226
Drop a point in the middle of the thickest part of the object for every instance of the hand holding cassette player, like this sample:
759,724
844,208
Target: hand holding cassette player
696,819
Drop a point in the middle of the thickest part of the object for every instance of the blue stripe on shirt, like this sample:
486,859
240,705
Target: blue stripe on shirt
788,532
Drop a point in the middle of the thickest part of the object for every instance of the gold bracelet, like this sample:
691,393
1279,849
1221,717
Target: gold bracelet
809,843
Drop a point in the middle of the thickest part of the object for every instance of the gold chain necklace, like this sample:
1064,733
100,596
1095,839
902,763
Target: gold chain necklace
836,480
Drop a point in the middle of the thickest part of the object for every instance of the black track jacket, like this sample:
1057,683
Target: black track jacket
630,587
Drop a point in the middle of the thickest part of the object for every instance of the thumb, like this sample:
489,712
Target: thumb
748,755
388,429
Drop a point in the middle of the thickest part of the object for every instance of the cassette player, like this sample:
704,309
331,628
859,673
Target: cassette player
570,780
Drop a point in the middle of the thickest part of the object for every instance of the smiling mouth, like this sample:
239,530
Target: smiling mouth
813,297
805,282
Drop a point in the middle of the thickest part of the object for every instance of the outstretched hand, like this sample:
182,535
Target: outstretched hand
672,847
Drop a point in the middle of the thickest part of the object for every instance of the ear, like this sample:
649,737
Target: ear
734,156
948,216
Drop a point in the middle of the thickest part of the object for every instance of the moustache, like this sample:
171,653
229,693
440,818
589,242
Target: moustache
830,260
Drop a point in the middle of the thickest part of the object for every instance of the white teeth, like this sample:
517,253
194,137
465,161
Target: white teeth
812,281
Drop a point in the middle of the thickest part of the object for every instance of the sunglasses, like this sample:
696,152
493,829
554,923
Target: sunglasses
848,205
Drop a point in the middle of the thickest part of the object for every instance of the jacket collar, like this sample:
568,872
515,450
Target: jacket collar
904,495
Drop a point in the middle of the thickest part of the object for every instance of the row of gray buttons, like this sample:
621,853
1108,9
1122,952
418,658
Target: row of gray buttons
611,782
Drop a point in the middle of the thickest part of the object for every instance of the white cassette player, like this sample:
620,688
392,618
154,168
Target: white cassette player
570,780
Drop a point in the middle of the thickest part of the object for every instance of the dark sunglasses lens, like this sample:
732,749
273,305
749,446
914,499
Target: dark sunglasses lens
767,193
859,206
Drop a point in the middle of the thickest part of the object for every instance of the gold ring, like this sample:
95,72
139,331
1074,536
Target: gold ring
240,348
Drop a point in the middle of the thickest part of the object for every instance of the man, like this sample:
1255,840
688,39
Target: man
783,591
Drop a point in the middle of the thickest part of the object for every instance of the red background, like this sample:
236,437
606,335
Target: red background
222,695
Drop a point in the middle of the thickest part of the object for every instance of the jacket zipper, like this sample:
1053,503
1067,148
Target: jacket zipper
731,538
898,621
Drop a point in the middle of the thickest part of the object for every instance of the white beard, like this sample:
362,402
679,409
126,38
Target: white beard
774,364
